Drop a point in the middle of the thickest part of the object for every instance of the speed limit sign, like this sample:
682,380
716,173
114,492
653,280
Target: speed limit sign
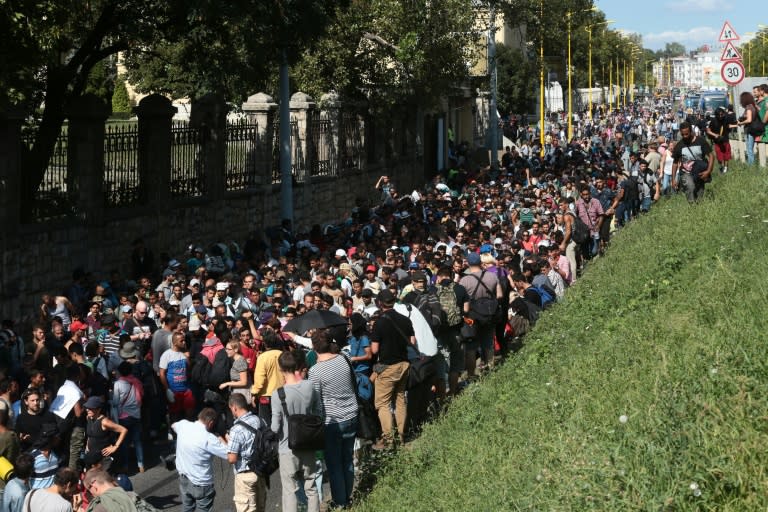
732,72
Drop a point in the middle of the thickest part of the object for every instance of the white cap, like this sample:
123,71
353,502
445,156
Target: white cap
341,253
497,241
193,282
222,286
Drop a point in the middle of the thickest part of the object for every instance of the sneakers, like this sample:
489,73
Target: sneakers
725,169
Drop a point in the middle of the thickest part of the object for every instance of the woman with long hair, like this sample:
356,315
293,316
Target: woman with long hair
750,113
332,377
238,373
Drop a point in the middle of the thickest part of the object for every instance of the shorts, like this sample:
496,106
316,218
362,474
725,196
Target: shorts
723,151
182,401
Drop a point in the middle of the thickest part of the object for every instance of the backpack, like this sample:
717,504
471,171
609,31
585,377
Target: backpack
264,459
219,370
201,370
630,190
546,296
429,306
451,314
579,230
484,310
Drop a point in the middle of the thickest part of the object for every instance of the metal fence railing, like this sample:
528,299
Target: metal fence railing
297,158
321,148
122,182
187,161
351,148
56,195
241,156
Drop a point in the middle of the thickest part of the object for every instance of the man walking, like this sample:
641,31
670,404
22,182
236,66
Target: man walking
250,488
196,446
390,338
296,467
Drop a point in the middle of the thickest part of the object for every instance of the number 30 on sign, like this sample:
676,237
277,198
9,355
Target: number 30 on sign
732,72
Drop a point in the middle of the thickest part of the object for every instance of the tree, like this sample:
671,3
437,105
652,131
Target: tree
514,74
389,52
120,100
51,47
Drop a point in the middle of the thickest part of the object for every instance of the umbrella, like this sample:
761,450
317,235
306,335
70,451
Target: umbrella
315,319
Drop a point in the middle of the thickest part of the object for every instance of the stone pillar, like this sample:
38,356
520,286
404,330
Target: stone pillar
209,114
85,157
303,112
155,113
10,171
260,110
331,110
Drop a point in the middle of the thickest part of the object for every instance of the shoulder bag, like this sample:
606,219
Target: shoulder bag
306,432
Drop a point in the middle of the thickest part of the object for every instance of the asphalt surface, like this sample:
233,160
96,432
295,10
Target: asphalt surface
160,487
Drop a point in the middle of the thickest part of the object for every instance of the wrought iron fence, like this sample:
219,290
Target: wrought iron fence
122,182
321,148
351,142
297,159
187,161
56,195
241,170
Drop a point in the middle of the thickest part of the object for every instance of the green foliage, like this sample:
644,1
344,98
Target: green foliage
514,74
645,390
388,52
120,100
100,81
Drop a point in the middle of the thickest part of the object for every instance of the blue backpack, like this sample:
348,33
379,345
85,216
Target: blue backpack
546,296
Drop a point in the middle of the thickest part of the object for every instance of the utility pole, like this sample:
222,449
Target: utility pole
493,118
286,179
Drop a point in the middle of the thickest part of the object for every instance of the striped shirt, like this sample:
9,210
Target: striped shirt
333,380
44,470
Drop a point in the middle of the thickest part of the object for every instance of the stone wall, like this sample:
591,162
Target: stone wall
40,257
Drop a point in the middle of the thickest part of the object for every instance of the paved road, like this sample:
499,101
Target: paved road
160,487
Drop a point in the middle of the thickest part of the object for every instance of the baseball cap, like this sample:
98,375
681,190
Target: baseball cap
370,268
341,253
194,282
473,258
126,309
220,287
418,276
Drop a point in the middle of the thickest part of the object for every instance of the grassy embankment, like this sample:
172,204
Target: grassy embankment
646,390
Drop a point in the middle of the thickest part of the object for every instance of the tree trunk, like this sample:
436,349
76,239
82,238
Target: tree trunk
35,160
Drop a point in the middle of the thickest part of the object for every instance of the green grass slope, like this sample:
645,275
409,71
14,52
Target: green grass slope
645,390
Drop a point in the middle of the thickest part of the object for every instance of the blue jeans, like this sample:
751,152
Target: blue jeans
339,453
134,434
750,149
196,497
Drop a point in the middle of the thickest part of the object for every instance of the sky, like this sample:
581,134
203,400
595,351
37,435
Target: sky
692,23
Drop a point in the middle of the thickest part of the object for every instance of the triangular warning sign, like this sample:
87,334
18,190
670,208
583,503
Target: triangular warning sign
727,33
730,52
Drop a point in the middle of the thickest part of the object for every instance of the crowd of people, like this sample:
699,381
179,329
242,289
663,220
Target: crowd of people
433,288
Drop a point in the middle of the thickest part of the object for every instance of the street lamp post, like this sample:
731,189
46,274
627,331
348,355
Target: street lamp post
541,81
570,90
762,37
588,28
610,84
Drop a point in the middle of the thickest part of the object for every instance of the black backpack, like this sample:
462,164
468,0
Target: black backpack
579,230
429,306
630,190
264,459
220,368
201,370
